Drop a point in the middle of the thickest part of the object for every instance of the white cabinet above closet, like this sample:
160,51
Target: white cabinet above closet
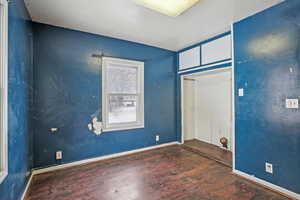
211,52
189,58
216,50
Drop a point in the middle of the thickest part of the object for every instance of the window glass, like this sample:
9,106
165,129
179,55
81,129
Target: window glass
122,79
122,109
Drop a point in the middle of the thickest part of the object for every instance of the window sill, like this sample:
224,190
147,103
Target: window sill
122,128
3,175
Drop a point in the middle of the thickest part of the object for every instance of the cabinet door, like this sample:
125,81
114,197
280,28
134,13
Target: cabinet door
216,50
189,58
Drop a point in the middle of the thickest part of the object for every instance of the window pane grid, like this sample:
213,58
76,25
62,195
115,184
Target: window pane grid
123,104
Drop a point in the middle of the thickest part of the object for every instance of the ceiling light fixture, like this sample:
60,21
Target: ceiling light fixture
171,8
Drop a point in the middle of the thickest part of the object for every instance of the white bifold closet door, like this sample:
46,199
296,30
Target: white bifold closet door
189,109
213,107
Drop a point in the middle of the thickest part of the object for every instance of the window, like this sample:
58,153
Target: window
3,90
123,94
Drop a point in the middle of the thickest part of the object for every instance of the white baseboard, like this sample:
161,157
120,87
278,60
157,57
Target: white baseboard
268,184
49,169
27,186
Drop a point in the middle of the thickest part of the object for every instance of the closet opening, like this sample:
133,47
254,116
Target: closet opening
207,114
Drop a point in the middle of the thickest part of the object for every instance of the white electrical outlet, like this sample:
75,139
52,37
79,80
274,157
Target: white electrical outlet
58,155
241,92
157,138
292,103
54,130
269,168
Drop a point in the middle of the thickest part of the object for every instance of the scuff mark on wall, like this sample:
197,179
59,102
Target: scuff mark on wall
95,126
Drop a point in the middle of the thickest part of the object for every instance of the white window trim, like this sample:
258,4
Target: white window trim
140,115
3,90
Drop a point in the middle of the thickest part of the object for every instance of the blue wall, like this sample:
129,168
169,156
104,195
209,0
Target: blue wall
267,45
19,102
68,94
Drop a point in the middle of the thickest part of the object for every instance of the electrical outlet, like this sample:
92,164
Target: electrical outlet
292,103
269,168
58,155
54,130
157,138
241,92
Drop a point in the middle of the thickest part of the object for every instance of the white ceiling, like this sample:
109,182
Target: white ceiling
124,19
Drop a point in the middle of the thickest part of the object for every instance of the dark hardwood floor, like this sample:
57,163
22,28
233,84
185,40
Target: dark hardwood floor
171,173
210,151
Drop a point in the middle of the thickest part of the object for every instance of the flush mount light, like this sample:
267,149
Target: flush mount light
171,8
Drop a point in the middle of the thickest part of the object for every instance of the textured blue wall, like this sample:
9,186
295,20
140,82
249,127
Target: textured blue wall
267,45
19,101
68,94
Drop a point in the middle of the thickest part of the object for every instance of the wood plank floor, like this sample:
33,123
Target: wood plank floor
171,173
210,151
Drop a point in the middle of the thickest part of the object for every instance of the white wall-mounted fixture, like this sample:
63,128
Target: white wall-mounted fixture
157,138
241,92
269,168
58,155
171,8
292,103
53,130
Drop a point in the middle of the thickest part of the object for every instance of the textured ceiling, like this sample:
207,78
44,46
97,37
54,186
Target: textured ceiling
124,19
